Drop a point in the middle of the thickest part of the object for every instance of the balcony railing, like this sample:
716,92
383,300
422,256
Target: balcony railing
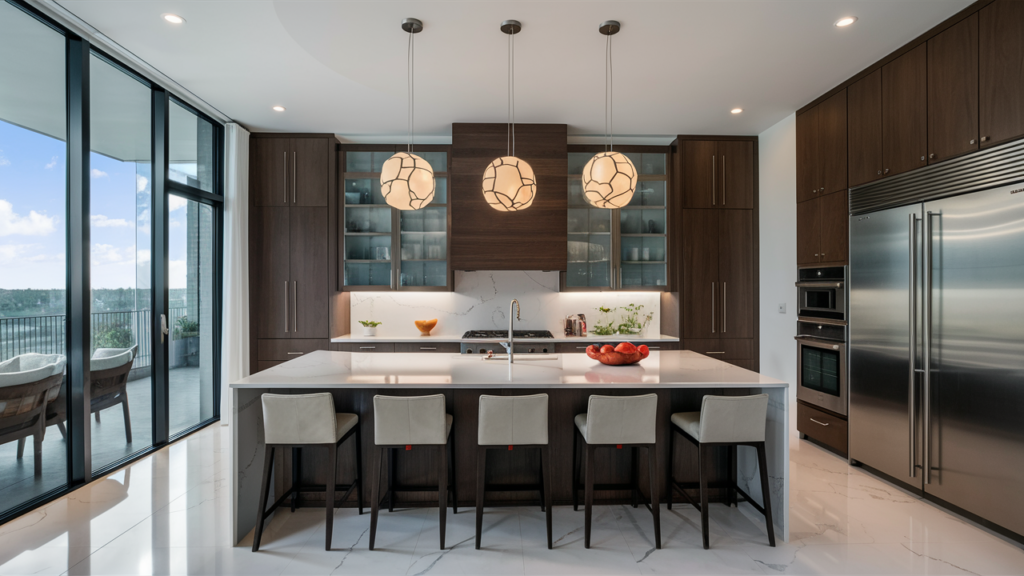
48,334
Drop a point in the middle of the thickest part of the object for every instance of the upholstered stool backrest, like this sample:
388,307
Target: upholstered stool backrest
409,420
733,418
622,419
299,419
510,420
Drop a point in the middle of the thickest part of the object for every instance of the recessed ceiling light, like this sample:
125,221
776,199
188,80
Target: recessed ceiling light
737,110
846,21
278,108
174,19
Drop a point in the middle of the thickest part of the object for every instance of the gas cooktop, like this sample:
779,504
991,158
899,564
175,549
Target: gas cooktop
503,334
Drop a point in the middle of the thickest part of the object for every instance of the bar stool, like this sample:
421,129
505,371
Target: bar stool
512,421
724,421
617,422
307,421
404,422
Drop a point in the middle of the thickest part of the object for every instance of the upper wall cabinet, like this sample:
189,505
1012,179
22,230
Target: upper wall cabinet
953,91
717,174
865,129
1001,71
905,112
483,238
821,149
290,171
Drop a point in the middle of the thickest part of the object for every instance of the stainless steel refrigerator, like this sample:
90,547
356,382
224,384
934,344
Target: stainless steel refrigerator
936,360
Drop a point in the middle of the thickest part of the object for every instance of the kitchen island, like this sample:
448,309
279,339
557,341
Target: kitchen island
679,378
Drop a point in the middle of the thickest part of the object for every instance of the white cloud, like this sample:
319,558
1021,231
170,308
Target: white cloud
101,221
175,224
52,163
176,203
97,173
10,253
141,182
144,256
3,159
107,254
178,271
35,224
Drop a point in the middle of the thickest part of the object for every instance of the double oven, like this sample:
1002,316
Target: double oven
821,338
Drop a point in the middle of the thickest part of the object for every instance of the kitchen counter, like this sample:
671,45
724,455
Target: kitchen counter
558,339
680,379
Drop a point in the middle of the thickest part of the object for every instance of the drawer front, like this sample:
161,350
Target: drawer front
281,349
732,349
822,426
363,347
448,347
571,347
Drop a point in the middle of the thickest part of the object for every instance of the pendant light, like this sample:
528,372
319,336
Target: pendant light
609,178
509,184
406,180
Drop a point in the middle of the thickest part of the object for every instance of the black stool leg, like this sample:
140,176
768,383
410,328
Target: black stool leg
268,468
481,468
652,470
542,501
704,464
545,458
392,471
575,469
359,469
671,455
732,499
378,461
332,465
451,475
296,474
442,489
588,502
762,465
633,480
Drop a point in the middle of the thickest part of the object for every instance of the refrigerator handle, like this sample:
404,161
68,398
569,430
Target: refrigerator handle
926,357
912,404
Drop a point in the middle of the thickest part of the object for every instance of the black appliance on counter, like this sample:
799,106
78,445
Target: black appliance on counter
496,336
822,392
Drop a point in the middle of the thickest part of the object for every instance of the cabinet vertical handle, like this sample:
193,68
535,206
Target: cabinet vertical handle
295,306
725,306
285,306
284,181
293,177
911,400
712,179
926,360
723,185
713,307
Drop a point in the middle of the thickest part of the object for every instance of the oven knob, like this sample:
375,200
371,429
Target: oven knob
482,351
835,347
819,327
544,350
531,350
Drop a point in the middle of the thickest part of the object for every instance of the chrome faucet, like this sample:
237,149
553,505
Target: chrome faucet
510,346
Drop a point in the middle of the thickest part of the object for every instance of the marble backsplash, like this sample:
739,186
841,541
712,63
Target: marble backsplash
481,302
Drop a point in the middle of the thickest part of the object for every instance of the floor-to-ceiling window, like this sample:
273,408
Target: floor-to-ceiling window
33,150
110,218
119,230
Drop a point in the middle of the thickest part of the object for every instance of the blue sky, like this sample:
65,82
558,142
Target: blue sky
33,219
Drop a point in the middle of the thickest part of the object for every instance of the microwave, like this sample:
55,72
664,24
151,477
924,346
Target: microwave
821,293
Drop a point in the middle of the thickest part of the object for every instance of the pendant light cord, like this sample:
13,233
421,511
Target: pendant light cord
510,136
609,95
410,85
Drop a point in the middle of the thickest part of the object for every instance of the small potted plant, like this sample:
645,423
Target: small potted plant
370,327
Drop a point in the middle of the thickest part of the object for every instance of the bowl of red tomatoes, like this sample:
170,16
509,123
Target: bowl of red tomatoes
623,354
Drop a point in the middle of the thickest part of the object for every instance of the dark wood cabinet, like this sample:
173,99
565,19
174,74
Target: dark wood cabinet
310,284
822,230
718,286
289,349
905,112
717,174
825,427
728,350
290,171
271,277
864,110
821,149
953,91
1001,71
483,238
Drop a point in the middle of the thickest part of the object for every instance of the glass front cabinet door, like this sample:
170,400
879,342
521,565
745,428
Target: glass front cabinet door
388,249
625,248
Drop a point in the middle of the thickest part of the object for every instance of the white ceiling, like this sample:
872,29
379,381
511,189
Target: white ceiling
339,66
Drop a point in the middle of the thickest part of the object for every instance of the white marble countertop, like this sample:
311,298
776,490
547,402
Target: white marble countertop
558,339
669,369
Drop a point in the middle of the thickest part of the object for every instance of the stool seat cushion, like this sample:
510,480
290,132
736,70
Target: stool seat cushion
303,419
343,423
689,422
512,420
619,419
107,358
410,420
29,368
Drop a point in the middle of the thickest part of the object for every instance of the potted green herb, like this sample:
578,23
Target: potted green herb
634,321
370,327
604,326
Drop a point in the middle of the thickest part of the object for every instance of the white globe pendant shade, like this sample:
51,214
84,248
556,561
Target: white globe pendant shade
609,180
509,184
407,181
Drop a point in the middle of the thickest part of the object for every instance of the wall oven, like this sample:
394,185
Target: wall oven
822,293
821,373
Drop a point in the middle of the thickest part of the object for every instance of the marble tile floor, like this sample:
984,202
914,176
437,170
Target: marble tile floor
168,514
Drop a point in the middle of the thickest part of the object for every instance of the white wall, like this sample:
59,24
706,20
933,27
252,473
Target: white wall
481,302
777,167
